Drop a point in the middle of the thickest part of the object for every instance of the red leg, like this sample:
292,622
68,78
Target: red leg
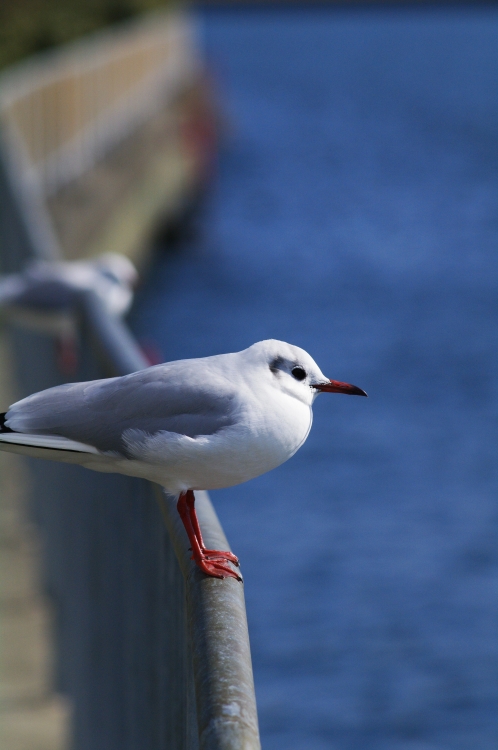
218,568
213,553
66,354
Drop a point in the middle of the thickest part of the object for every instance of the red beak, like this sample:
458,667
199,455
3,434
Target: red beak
335,386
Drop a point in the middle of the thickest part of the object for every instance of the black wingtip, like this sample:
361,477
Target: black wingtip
3,426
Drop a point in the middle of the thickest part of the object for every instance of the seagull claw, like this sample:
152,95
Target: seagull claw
212,562
218,554
217,569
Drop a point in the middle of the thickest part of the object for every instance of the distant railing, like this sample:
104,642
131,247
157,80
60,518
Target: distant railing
153,654
63,111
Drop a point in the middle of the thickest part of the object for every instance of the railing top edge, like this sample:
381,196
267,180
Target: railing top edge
22,77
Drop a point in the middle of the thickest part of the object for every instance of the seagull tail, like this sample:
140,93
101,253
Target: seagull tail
52,447
3,426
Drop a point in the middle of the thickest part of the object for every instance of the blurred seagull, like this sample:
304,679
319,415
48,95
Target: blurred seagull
44,296
195,424
52,286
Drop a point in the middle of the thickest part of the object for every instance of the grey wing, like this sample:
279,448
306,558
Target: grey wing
98,412
40,285
10,288
46,295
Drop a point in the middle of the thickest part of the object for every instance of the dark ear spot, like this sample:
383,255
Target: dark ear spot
276,365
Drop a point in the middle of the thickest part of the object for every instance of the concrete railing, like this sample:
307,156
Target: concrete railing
153,654
63,111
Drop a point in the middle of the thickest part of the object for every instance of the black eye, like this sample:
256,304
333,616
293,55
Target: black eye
298,373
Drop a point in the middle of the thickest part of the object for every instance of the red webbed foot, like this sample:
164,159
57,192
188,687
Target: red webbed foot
212,562
216,568
218,554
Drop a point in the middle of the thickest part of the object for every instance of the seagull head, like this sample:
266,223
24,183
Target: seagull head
117,268
293,371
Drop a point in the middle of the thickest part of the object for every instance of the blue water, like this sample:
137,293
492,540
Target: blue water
354,215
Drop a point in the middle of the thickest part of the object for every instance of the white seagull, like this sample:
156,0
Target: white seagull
194,424
45,286
44,297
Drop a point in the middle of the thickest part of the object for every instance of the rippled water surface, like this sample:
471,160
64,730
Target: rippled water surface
355,215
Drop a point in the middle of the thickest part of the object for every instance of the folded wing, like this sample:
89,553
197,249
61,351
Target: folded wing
173,397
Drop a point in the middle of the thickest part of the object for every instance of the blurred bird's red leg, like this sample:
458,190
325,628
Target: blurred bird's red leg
217,567
66,351
212,553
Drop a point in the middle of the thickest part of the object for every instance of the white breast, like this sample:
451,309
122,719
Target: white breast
257,443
